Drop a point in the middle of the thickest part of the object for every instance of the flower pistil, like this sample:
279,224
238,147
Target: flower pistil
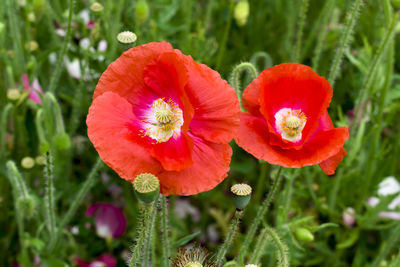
290,123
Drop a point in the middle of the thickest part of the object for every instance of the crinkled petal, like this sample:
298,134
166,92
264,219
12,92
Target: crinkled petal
216,114
329,166
175,154
125,74
111,130
210,166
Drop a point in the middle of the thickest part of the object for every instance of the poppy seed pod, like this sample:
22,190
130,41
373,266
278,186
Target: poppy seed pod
241,195
147,187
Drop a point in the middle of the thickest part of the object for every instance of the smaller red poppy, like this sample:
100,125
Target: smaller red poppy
287,122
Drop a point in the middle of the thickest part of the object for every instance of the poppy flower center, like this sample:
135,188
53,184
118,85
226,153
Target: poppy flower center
163,120
290,123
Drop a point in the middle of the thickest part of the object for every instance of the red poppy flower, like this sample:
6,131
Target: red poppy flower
157,111
287,122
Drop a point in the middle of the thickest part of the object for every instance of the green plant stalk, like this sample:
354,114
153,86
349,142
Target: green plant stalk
57,72
87,185
300,30
222,43
16,37
50,212
287,201
207,20
149,224
326,15
19,190
166,247
393,240
235,77
138,248
282,255
55,112
259,216
188,25
3,130
345,40
261,185
229,238
259,248
368,83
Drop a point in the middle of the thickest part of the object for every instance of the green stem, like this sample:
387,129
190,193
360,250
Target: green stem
222,44
300,30
235,77
259,216
326,15
16,37
57,72
164,237
207,20
138,248
49,201
90,181
149,223
393,240
261,55
56,112
259,248
282,255
345,40
261,181
229,238
3,130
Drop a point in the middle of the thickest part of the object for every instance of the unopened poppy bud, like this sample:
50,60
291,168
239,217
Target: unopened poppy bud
147,187
44,147
13,94
62,141
126,37
241,195
304,235
27,206
96,7
27,163
142,11
241,12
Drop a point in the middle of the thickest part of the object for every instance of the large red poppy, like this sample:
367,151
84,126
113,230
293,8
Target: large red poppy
157,111
287,122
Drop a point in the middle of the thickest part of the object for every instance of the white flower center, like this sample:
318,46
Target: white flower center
290,123
163,120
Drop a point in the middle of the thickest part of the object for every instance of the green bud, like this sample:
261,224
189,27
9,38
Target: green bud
396,3
241,195
147,187
62,141
142,11
27,206
44,147
304,235
39,7
241,12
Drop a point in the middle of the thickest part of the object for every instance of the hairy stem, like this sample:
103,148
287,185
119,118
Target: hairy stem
300,30
164,237
50,212
229,238
222,43
235,77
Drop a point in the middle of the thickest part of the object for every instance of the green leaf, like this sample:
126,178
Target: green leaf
186,239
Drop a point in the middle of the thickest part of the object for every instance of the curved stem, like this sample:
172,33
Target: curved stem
228,240
261,55
235,77
283,256
60,59
259,216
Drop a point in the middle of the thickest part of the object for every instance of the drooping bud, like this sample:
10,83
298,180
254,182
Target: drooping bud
241,195
142,11
27,163
304,235
27,206
62,141
96,7
241,12
147,187
126,37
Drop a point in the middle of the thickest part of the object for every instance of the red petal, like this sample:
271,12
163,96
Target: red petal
329,166
125,75
210,167
294,86
167,76
175,154
253,136
250,96
216,116
111,130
